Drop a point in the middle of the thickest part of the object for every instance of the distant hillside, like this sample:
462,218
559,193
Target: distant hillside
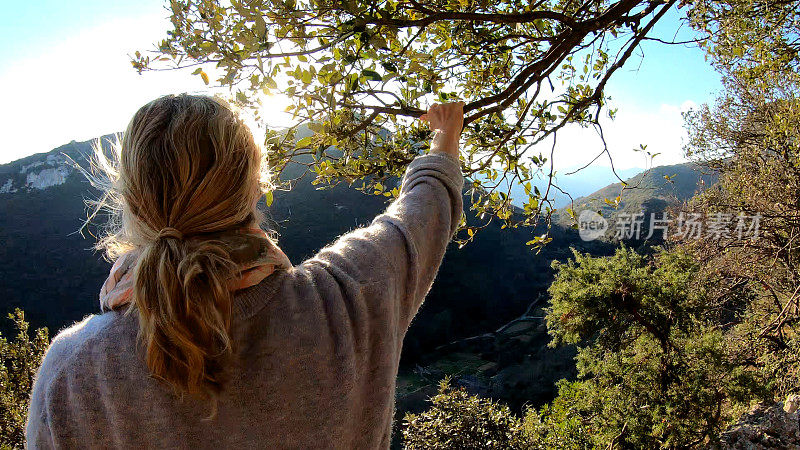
649,192
47,268
50,271
579,184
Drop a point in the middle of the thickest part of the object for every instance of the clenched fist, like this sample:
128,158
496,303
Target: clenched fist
446,120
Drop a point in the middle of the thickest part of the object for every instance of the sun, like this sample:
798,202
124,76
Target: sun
273,110
271,114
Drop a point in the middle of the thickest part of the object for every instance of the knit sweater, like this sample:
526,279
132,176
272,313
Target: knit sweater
317,346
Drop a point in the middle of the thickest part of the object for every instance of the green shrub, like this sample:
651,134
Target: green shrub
458,420
19,361
655,370
560,424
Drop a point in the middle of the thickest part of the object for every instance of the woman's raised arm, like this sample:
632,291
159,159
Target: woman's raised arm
395,259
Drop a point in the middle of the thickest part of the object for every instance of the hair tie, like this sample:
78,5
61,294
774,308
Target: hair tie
169,232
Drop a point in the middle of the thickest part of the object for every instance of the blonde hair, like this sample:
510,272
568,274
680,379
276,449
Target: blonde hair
187,165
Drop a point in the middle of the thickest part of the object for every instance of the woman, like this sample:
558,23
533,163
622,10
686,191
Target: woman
209,338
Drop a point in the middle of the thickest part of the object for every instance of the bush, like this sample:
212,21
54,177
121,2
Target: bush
656,369
19,361
559,424
458,420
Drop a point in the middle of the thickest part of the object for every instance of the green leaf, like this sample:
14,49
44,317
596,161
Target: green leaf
371,75
303,143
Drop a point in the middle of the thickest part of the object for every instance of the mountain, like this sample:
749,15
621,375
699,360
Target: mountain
583,182
512,362
50,271
578,184
482,320
652,191
46,267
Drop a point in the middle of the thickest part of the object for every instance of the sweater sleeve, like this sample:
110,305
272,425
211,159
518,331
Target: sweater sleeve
37,428
396,258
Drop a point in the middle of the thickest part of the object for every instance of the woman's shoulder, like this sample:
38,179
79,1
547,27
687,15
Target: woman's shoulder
72,365
79,340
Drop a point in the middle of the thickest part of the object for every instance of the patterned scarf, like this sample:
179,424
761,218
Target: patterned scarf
249,247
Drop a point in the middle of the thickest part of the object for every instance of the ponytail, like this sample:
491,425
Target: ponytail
187,165
185,307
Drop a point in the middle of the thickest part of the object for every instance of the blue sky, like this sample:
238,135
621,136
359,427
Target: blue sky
655,86
33,26
666,73
65,75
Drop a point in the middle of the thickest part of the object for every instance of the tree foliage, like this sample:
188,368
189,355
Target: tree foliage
458,420
559,424
657,365
359,70
19,361
751,137
677,345
655,370
757,38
